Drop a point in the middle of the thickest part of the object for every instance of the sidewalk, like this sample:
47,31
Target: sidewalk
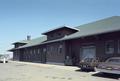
47,65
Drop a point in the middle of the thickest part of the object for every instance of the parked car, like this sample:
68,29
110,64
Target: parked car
2,59
112,66
88,63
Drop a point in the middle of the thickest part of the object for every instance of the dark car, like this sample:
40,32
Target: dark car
112,66
88,63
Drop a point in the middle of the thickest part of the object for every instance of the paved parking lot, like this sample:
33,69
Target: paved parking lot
15,71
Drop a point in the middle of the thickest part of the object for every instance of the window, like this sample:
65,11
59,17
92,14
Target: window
44,50
51,36
109,47
51,49
25,56
118,46
59,34
30,51
29,56
34,51
38,51
48,50
114,60
25,52
60,49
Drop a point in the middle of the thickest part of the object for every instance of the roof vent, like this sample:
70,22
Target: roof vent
28,37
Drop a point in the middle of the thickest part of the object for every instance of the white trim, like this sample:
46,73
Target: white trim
55,63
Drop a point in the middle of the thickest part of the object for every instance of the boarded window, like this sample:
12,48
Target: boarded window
118,46
109,47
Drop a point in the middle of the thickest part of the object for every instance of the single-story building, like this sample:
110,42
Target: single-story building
99,39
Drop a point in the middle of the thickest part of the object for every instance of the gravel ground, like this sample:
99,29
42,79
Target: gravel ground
18,71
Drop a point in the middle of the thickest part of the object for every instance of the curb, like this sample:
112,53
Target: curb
48,65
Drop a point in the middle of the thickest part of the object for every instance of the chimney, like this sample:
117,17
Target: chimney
28,37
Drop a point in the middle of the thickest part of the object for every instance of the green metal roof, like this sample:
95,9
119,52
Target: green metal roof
34,42
110,24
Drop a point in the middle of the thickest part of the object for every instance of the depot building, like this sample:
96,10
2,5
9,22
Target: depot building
68,45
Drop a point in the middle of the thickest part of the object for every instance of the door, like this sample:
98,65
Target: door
88,52
43,55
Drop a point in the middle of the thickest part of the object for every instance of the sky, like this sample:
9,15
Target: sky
19,18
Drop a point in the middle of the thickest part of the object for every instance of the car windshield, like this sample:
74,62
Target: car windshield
114,61
88,59
2,57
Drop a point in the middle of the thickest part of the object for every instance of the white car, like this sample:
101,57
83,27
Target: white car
3,59
112,66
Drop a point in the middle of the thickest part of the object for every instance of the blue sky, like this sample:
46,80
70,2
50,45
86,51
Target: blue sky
19,18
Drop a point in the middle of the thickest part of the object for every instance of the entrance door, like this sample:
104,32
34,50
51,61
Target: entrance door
88,52
43,55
